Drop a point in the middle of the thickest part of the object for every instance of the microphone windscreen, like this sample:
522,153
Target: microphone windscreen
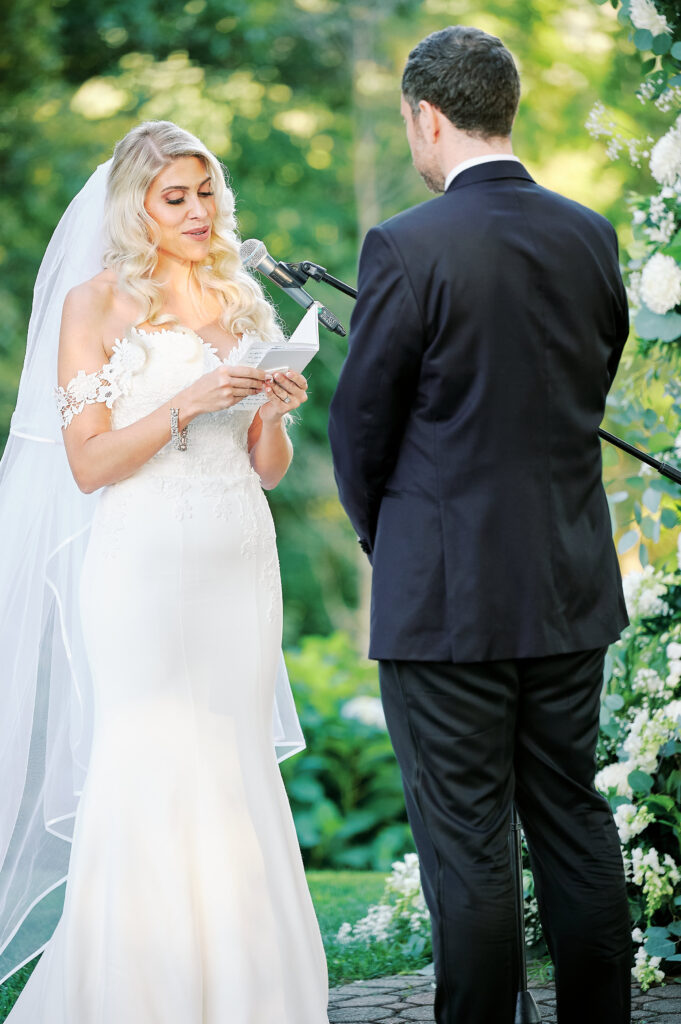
252,251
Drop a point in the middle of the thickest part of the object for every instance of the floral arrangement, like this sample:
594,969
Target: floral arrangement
653,273
640,759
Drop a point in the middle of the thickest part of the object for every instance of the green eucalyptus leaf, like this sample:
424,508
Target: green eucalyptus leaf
651,326
643,39
662,44
676,50
627,541
669,518
650,529
643,555
651,499
614,701
640,781
660,442
660,947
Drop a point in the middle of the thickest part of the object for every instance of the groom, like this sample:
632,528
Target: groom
488,329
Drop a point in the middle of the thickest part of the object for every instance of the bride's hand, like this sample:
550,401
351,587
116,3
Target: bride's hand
223,387
287,391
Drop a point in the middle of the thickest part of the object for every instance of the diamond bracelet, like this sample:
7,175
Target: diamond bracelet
178,436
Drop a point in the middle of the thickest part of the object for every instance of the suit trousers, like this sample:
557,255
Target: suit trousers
470,739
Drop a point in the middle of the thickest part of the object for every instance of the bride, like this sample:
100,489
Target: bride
148,705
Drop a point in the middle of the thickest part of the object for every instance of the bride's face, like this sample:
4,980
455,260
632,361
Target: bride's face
180,199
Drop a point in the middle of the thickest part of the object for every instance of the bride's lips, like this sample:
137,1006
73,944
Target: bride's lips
199,233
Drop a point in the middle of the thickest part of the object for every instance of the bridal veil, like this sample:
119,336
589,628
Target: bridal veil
46,696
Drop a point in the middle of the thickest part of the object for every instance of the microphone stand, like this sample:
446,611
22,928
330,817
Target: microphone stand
303,271
526,1011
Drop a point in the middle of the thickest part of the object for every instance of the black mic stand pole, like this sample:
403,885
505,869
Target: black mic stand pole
526,1011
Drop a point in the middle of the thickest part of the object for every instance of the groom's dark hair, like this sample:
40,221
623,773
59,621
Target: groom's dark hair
469,76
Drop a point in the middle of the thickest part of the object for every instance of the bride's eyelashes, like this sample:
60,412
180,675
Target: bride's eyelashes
176,202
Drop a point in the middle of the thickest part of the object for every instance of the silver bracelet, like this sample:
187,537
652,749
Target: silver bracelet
178,436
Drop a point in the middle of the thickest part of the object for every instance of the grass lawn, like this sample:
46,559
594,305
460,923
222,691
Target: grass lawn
338,896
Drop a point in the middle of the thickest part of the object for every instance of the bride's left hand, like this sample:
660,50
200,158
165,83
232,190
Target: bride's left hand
287,391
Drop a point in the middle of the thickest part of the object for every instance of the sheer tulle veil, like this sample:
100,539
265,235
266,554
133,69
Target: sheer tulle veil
46,697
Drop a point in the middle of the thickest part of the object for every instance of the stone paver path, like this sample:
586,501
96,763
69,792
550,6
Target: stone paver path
409,997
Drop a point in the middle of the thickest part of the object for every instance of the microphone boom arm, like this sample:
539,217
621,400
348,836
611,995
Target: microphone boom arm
304,270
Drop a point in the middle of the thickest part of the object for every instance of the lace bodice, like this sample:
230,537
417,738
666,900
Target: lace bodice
145,370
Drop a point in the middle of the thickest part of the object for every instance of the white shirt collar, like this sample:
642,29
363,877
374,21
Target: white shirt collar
476,160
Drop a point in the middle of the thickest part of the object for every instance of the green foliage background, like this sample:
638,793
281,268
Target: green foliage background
300,100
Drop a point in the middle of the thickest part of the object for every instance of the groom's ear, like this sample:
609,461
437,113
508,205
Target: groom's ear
429,121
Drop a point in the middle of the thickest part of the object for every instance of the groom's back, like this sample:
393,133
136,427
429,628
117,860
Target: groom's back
498,471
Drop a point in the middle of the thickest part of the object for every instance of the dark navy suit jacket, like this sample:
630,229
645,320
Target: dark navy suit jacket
488,328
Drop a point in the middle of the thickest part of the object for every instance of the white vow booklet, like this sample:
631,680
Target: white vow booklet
293,354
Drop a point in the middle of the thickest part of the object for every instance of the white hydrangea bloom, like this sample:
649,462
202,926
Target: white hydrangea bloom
643,592
644,14
646,970
368,710
657,878
661,283
665,156
631,821
615,776
380,920
649,682
648,733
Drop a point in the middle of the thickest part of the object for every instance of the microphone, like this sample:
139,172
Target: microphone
255,255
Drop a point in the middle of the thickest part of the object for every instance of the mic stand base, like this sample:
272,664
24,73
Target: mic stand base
526,1010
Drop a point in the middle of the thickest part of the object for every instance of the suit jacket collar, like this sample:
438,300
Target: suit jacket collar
489,171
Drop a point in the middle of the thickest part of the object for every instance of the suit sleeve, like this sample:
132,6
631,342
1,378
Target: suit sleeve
377,383
621,314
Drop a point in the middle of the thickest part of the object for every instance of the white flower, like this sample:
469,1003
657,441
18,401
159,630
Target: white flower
665,158
615,776
674,648
365,709
631,821
644,14
646,969
661,283
634,293
648,733
637,935
643,592
656,878
648,681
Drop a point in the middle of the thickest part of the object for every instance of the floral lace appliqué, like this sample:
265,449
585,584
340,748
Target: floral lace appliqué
104,385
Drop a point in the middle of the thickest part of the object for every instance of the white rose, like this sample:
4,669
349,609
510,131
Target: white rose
661,283
644,14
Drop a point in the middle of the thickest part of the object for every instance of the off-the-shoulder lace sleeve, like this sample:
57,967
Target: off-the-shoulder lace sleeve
104,385
86,388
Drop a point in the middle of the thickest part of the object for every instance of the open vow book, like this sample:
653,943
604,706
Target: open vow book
293,354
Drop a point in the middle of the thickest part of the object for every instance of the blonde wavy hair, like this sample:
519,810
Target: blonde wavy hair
132,236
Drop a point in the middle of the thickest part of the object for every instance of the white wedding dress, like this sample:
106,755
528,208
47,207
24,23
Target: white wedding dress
186,900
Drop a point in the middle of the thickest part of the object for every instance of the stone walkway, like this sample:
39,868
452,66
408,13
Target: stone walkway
409,997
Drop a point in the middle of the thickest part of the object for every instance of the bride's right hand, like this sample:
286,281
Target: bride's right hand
223,387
